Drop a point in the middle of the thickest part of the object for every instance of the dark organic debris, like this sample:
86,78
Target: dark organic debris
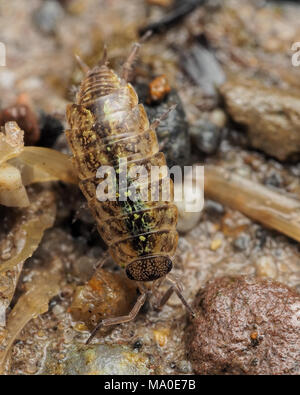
173,131
174,16
51,128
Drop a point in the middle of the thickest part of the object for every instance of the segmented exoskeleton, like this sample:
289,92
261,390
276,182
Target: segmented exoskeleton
107,123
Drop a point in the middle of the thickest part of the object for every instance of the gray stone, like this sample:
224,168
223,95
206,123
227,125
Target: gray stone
271,116
206,136
48,15
203,68
173,131
98,359
241,242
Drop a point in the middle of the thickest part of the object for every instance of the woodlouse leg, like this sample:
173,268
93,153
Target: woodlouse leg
177,289
103,260
127,66
120,320
157,121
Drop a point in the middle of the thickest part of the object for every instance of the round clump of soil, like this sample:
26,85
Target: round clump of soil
245,325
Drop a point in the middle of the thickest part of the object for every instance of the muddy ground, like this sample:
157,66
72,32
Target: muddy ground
247,40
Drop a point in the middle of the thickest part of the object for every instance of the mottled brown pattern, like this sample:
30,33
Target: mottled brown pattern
107,123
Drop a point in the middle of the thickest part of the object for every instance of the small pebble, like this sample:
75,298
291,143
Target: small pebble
218,117
161,336
48,15
266,267
158,88
274,180
138,344
185,367
25,117
270,115
206,136
203,69
261,236
31,368
242,242
41,333
69,336
106,294
6,255
254,335
215,244
58,310
80,327
214,208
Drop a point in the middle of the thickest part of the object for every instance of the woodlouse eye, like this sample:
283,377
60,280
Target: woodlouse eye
149,268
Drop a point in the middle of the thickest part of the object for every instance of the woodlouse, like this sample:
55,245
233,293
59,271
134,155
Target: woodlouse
108,123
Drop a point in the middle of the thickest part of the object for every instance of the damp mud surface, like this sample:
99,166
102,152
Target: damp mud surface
45,322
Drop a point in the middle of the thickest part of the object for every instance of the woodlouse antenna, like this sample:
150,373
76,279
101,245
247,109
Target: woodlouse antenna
145,36
157,121
127,66
104,60
84,67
